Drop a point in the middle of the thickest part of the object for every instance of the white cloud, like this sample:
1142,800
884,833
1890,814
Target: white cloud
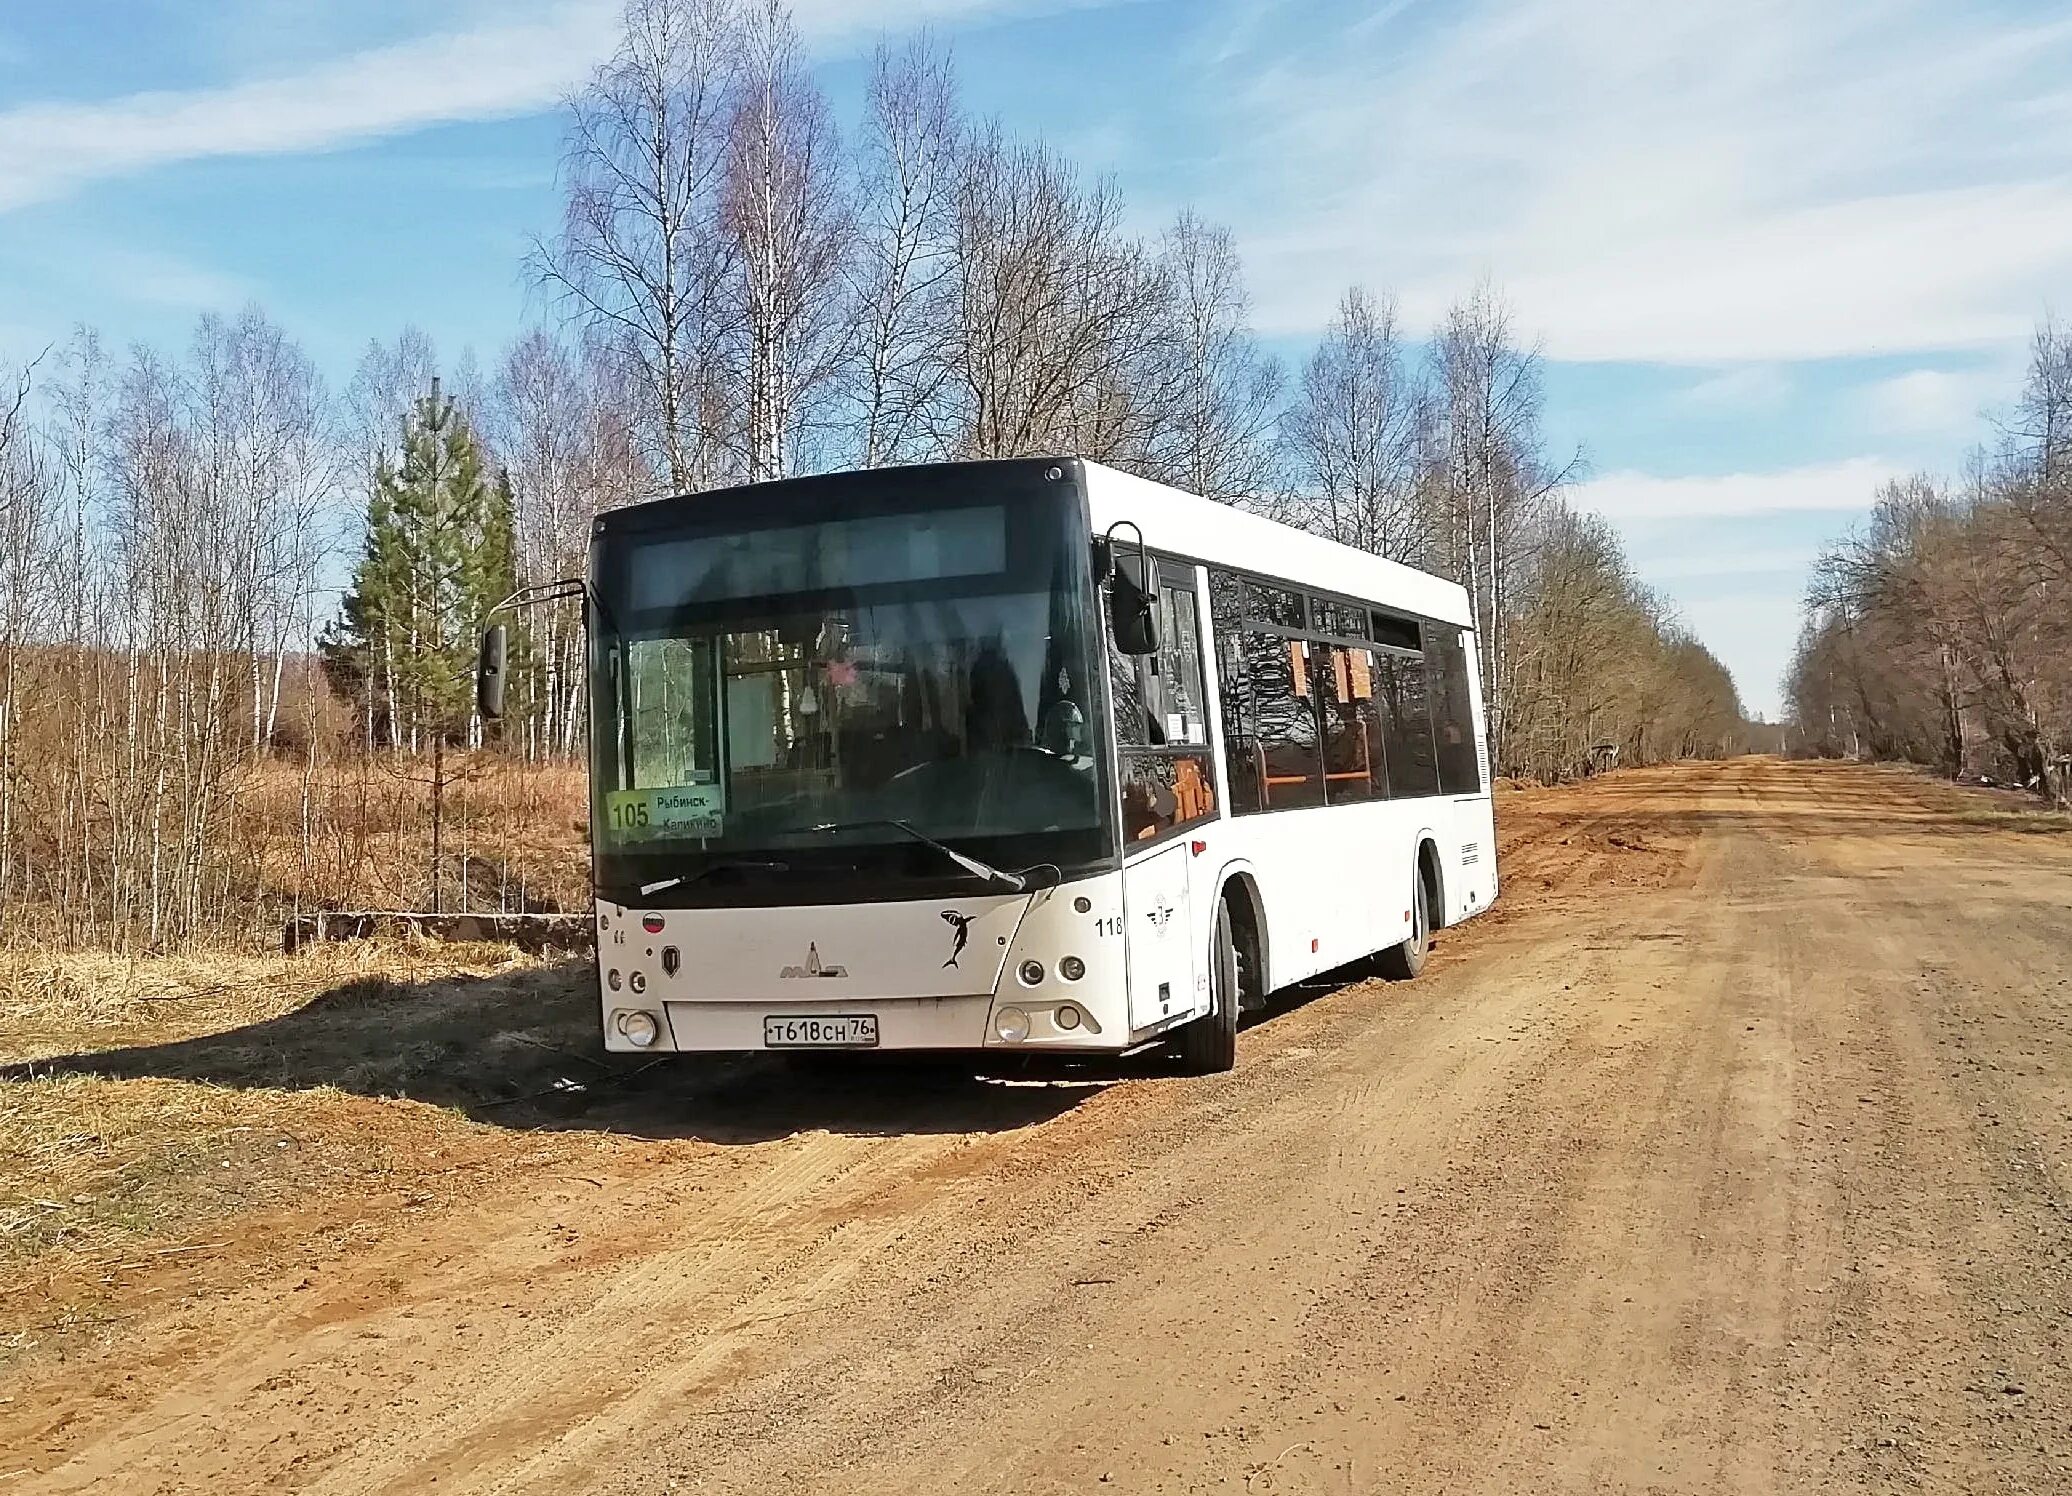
509,66
1832,486
1705,182
501,69
1933,402
1738,391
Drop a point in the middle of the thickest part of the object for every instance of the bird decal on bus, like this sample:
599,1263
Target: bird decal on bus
961,923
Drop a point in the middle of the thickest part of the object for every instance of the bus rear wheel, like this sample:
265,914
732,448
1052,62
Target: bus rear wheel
1401,962
1208,1046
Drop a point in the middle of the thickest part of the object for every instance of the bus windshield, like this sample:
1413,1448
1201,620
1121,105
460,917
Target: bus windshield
817,698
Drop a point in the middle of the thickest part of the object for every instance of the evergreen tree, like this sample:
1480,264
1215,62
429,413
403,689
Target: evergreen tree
437,554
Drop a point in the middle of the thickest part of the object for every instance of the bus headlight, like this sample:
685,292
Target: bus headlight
637,980
1067,1017
1071,968
638,1027
1031,973
1011,1024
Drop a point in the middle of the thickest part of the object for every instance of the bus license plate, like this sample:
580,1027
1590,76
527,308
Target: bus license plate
829,1031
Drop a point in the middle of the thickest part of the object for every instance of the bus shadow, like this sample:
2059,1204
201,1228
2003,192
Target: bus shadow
522,1050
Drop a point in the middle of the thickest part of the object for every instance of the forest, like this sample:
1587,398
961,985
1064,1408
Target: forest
1940,631
238,600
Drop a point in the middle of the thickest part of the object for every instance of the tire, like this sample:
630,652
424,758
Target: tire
1208,1046
1402,962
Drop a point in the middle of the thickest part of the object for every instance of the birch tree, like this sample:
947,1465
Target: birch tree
787,229
1491,476
1224,393
903,264
1353,435
643,258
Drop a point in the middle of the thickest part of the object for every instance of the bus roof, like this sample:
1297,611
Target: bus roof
1184,524
1173,521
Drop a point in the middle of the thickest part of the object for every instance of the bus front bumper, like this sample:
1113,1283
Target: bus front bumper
939,1023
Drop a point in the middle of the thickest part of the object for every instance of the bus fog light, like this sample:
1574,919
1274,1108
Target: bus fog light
1071,968
639,1028
1011,1024
1031,973
1068,1017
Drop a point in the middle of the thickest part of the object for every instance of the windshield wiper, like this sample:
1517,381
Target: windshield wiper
1014,882
733,865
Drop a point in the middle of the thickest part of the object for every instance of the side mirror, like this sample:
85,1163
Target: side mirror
489,673
1132,615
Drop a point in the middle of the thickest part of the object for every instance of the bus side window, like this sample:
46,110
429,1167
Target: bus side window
1407,712
1354,763
1286,749
1453,715
1234,692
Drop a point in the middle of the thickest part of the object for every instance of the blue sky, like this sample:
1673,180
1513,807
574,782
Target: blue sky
1773,251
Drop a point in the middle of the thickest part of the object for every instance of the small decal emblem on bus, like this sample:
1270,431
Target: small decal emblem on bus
1159,916
961,923
813,967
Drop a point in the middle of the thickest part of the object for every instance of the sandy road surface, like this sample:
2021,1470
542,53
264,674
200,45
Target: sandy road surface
1733,1154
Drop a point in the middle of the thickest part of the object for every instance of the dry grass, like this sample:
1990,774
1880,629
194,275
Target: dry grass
349,832
54,1002
156,1114
1984,807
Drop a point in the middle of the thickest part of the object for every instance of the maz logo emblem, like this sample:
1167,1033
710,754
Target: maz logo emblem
813,968
961,923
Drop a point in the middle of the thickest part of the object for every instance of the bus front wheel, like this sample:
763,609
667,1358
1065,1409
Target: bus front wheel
1401,962
1208,1046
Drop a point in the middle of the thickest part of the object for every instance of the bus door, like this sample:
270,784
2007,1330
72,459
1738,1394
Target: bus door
1168,800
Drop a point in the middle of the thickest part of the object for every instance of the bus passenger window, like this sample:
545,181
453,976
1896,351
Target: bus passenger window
1453,711
1407,713
1234,691
1285,748
1354,768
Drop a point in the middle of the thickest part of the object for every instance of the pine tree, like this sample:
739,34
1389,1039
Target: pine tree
437,554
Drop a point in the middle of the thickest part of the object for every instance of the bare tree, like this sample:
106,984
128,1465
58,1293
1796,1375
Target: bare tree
1492,477
2037,449
26,545
786,221
1055,312
1224,392
387,379
1353,435
1941,631
555,424
643,258
903,265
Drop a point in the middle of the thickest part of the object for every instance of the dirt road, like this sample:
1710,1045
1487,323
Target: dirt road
1733,1154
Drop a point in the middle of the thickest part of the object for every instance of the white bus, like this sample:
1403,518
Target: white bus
1026,756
